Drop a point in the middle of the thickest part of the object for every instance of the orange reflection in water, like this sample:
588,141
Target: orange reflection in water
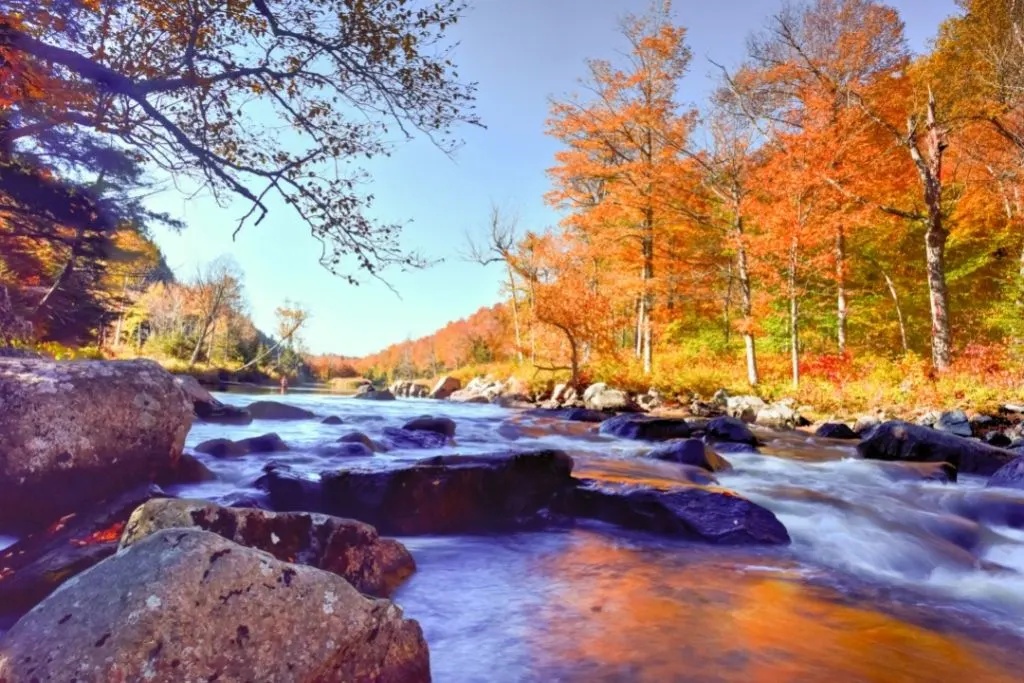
628,615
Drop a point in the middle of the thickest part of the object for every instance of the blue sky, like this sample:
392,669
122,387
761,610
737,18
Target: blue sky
521,52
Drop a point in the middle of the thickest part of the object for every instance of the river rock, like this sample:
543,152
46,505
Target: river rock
209,409
914,443
226,448
442,495
729,429
186,605
272,410
711,516
359,437
1010,475
744,408
332,420
997,439
836,430
36,565
692,452
864,424
409,389
778,416
652,400
409,439
188,470
344,450
350,549
954,422
77,432
645,427
428,423
445,387
370,394
600,397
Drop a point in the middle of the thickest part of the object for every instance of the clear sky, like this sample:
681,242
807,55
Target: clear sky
521,52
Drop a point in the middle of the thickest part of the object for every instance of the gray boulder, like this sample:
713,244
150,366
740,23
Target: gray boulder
187,605
778,416
75,433
954,422
209,409
445,387
744,408
600,397
350,549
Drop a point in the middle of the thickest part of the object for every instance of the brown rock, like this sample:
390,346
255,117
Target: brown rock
351,549
75,433
445,387
185,605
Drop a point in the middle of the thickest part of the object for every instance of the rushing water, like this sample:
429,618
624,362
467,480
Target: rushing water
886,579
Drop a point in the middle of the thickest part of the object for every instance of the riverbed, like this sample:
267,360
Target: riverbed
886,578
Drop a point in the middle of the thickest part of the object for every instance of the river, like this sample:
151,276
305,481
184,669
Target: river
886,579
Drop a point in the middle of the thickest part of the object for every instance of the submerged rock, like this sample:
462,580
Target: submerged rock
209,409
428,423
75,433
226,448
717,517
345,450
444,388
942,472
36,565
371,394
272,410
188,470
413,439
729,429
914,443
1010,475
836,430
332,420
570,414
350,549
646,428
691,452
184,605
359,437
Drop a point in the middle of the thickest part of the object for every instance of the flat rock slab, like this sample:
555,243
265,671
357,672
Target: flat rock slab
709,515
913,443
78,432
350,549
442,495
186,605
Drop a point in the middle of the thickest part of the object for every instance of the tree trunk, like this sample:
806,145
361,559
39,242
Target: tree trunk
929,167
794,318
638,333
120,314
727,306
899,311
515,312
841,290
648,252
746,305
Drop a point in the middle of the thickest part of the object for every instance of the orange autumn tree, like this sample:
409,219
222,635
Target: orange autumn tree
621,159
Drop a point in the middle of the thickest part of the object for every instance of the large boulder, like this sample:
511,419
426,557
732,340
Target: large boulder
712,516
645,428
692,452
350,549
954,422
75,433
187,605
913,443
441,495
209,409
272,410
408,389
778,416
1009,476
600,396
36,565
445,387
730,430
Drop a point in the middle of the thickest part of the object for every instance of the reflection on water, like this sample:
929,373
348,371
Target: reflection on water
586,606
885,577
